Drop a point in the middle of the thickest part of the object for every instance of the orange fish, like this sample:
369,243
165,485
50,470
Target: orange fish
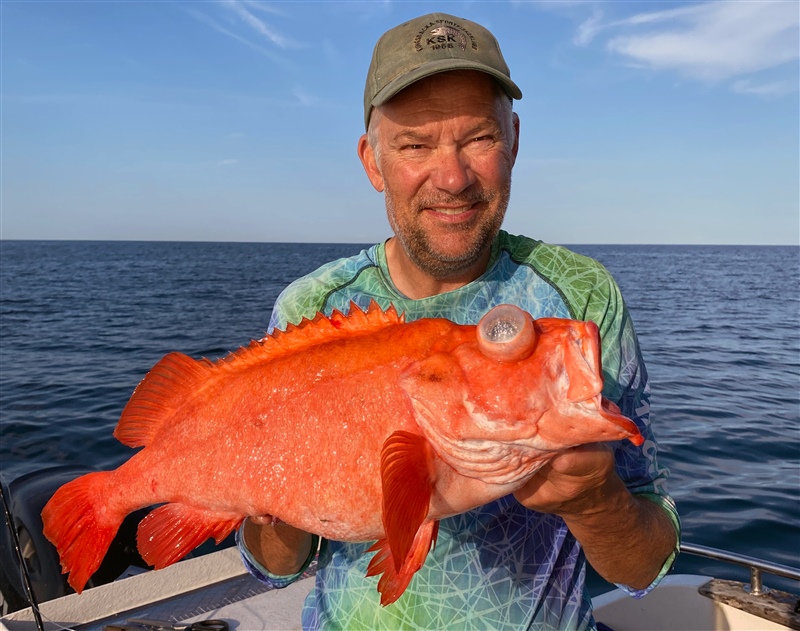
356,428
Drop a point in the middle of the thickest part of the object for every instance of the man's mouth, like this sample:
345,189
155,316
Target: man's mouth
451,211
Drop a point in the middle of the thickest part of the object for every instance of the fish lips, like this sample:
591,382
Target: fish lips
611,412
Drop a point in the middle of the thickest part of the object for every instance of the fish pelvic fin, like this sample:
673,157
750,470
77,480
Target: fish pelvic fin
393,582
79,525
170,532
167,386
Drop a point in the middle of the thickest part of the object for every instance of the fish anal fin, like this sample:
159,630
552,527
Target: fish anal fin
163,390
393,582
170,532
407,485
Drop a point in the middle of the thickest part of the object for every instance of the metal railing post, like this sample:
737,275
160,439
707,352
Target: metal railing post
756,566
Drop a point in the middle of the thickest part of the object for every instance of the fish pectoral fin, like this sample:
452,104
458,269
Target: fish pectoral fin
393,582
407,484
170,532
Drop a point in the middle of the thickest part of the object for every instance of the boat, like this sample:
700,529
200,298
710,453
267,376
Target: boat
216,585
684,602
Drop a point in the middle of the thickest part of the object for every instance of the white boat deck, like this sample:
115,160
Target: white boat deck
210,586
217,586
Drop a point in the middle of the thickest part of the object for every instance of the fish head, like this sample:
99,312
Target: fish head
502,403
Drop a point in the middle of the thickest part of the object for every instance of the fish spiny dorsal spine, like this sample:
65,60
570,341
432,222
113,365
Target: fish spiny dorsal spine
319,330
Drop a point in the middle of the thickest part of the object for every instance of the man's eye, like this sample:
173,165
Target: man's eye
482,139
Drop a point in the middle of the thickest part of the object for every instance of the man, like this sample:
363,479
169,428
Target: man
441,142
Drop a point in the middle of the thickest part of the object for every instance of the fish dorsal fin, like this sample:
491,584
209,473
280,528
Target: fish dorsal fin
177,377
319,330
168,385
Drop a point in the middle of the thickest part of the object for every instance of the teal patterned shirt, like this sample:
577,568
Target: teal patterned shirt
500,566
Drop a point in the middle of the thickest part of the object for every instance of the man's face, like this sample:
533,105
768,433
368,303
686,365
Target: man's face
444,149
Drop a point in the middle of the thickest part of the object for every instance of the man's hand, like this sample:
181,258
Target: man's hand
625,538
572,483
279,547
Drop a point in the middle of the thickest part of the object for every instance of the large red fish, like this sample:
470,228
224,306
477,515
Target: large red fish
357,428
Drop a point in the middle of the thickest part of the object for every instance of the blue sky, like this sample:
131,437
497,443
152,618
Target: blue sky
235,120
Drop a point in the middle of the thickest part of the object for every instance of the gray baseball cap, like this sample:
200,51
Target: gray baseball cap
427,45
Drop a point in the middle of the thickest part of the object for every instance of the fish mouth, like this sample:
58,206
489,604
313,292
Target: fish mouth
611,412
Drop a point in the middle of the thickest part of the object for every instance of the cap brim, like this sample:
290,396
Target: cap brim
443,65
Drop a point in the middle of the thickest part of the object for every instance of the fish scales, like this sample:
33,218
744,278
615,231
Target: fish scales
356,428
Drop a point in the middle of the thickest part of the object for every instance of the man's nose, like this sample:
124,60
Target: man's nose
452,172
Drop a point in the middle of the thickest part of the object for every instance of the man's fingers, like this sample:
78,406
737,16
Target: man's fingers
264,520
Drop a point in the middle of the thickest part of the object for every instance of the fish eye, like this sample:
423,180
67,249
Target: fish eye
506,334
501,330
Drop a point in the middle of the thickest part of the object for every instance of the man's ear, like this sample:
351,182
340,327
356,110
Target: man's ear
515,148
367,157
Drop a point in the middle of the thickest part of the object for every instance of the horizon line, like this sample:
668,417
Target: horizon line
364,243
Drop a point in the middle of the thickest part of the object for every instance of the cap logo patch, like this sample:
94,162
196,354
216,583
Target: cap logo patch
441,34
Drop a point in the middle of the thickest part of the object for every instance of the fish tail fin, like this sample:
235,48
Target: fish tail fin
76,523
393,582
170,532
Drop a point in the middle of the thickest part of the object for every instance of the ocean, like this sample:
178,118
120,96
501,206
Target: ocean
82,322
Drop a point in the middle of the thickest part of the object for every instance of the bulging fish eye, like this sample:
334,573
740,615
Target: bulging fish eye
506,334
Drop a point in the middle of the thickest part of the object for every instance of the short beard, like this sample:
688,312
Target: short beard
423,253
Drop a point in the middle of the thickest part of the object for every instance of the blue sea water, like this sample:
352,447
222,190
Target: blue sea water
82,322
